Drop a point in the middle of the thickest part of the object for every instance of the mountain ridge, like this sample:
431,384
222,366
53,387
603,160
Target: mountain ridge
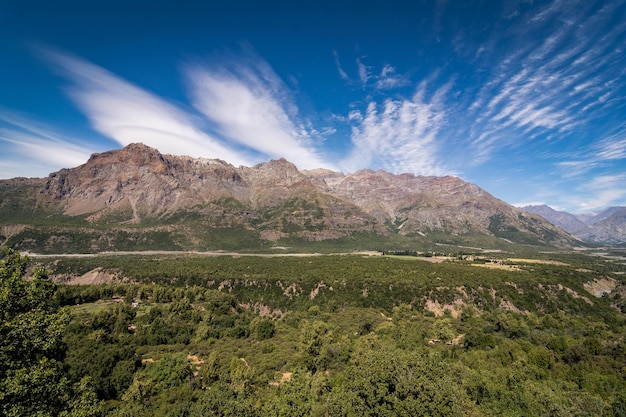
605,226
193,203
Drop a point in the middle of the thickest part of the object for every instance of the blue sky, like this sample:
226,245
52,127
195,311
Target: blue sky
525,98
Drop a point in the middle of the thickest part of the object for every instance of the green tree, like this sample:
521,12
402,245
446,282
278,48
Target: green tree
391,382
293,399
32,382
314,336
221,400
240,374
262,328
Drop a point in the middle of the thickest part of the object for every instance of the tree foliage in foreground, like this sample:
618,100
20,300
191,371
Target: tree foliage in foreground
33,381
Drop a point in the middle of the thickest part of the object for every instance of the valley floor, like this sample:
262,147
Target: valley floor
225,333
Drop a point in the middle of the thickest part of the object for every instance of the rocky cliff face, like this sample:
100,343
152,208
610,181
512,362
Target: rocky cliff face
143,179
138,185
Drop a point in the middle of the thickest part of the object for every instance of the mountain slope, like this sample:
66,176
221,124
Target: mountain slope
594,217
610,229
607,226
562,219
416,205
137,198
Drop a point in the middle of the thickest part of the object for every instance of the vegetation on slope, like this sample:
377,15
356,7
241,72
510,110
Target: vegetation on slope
345,336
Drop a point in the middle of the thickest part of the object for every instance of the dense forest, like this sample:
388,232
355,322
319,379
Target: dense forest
347,335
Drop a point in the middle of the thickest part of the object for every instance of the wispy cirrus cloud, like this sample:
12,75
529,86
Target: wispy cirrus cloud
550,75
340,69
608,151
249,104
34,149
400,135
550,86
363,71
389,79
596,173
245,115
126,113
601,191
612,148
575,168
368,78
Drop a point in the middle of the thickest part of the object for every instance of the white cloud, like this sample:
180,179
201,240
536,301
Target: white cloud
549,86
603,154
603,182
127,113
600,200
601,191
399,135
250,105
547,13
364,74
340,70
388,79
355,115
387,71
572,169
32,149
612,148
249,108
529,203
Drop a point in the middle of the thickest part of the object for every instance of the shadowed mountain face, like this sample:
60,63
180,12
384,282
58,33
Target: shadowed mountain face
138,198
607,226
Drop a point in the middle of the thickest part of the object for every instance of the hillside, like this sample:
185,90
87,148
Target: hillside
136,198
607,226
610,229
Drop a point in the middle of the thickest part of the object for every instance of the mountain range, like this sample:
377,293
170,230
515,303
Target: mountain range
606,226
136,198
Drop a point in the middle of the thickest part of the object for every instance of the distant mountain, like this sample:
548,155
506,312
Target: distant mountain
609,228
136,198
564,220
594,217
606,226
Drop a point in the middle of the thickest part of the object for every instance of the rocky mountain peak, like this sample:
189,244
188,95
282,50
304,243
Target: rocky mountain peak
134,155
275,200
324,178
280,173
608,229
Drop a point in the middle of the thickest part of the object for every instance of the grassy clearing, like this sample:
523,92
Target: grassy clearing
95,307
499,266
536,261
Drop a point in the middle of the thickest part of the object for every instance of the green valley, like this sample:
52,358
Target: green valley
334,335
